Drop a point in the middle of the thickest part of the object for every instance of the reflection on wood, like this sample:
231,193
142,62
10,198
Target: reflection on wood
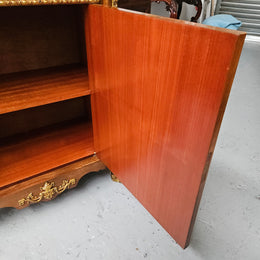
158,102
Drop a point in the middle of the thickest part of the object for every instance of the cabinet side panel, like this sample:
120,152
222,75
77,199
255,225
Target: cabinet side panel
160,90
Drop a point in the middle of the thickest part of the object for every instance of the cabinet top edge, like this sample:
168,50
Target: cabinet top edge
45,2
182,22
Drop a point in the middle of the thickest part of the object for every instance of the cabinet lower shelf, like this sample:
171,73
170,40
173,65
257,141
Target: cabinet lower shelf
28,156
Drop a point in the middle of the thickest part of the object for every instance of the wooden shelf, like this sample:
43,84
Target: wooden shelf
41,151
35,88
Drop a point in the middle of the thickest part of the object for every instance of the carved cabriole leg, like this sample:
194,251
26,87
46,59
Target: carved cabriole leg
199,6
173,10
179,10
171,6
175,7
48,185
196,3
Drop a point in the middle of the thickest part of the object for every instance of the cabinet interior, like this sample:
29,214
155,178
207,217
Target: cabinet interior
45,113
40,37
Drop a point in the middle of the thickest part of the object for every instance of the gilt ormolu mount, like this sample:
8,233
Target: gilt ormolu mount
175,7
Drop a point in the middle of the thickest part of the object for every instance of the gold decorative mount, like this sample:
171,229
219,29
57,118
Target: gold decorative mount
48,191
45,2
114,3
114,178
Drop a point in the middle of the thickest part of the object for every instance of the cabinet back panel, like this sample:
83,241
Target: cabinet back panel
31,119
39,37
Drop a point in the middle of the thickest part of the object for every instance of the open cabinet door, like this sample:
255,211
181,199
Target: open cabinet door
160,89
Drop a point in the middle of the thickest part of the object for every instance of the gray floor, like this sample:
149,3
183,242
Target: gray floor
100,219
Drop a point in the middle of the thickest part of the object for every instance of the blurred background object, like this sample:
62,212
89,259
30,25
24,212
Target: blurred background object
247,11
136,5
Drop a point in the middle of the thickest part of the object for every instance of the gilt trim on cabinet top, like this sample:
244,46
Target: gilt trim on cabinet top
45,2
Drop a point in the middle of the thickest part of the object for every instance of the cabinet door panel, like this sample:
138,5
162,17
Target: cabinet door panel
160,89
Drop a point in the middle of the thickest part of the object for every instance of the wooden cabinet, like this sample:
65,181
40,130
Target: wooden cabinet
84,87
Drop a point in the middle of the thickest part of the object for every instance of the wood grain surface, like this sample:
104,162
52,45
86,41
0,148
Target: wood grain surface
35,88
160,89
10,196
35,153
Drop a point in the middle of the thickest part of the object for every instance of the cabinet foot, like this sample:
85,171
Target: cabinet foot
114,178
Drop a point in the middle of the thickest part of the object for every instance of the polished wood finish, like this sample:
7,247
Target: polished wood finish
107,2
11,195
227,89
45,112
29,89
158,101
157,106
26,156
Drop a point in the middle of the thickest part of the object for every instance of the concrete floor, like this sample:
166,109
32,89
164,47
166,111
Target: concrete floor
100,219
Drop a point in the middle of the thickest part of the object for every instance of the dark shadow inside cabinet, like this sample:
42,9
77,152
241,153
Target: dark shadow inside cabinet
45,114
40,37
